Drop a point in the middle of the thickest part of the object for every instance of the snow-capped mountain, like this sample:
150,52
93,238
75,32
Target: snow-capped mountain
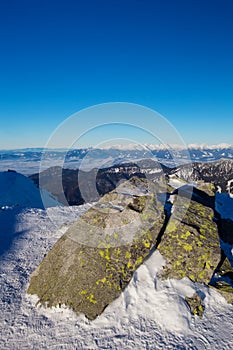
220,173
27,161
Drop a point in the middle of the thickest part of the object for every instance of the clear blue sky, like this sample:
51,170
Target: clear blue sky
57,57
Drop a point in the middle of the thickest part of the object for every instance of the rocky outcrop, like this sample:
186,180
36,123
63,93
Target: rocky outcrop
195,304
190,244
95,259
93,262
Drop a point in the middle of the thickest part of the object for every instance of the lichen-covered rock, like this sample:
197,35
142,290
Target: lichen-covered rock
207,187
190,244
195,304
95,259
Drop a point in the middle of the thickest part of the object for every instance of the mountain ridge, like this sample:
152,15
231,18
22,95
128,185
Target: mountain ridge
30,161
104,180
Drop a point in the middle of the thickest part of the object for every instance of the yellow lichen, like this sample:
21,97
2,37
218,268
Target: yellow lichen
91,298
146,243
177,264
83,292
202,237
182,273
129,264
139,260
102,280
127,255
201,275
188,247
192,277
185,235
117,251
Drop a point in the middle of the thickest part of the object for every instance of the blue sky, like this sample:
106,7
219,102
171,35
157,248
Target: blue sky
57,57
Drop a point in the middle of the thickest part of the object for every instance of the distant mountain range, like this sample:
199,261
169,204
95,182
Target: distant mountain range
27,161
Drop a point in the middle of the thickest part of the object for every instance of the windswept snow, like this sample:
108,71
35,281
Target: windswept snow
150,314
175,182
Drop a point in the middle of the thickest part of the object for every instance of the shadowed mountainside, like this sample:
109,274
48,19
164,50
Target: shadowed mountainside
98,182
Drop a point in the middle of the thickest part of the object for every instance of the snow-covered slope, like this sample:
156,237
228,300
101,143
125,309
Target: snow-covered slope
18,190
150,314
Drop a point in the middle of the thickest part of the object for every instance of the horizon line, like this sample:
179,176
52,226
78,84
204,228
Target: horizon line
127,147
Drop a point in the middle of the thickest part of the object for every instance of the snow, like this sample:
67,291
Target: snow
18,190
175,182
155,171
229,184
150,314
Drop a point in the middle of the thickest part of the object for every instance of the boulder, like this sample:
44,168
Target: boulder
195,304
190,243
95,259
